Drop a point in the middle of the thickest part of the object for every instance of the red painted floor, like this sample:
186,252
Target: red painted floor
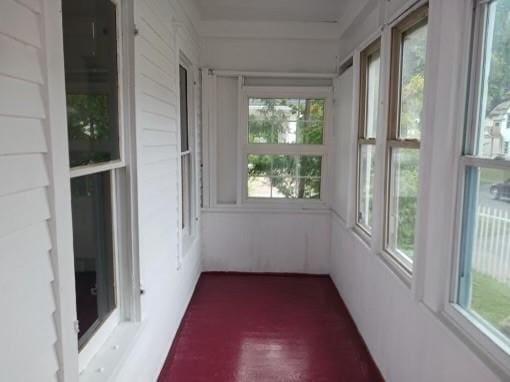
244,328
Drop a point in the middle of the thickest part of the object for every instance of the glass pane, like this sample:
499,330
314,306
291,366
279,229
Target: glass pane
403,200
284,176
186,190
414,44
366,185
494,134
90,52
484,287
259,187
286,121
283,187
372,96
310,188
183,102
93,250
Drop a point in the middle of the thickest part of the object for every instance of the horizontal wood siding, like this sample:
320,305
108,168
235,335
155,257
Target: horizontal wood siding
26,275
157,92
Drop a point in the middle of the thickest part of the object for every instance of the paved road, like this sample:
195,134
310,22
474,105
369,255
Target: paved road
485,199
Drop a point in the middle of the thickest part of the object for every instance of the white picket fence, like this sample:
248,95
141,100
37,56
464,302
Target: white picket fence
492,243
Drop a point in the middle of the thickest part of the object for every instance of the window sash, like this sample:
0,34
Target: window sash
394,140
363,138
488,339
245,148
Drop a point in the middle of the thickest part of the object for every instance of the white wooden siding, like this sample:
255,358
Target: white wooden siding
157,92
28,330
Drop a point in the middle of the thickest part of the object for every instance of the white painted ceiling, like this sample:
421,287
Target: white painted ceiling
273,10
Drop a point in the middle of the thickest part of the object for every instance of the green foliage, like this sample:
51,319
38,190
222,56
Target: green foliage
407,200
491,299
499,77
90,129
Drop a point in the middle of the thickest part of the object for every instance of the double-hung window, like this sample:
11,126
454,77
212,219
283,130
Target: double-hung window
186,153
482,289
370,60
405,123
99,173
285,145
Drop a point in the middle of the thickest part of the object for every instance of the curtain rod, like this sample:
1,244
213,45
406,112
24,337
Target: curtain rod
235,73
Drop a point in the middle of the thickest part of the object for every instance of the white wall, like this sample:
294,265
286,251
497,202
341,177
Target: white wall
269,46
266,241
28,334
168,280
407,339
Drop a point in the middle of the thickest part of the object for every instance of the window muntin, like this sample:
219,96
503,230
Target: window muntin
186,153
286,121
284,176
369,106
91,54
407,80
483,283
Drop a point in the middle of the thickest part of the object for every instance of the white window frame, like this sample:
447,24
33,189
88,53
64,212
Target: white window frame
375,44
391,140
188,234
126,271
245,148
490,344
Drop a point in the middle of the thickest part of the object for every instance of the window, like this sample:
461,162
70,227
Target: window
368,116
285,147
483,280
186,154
98,168
407,78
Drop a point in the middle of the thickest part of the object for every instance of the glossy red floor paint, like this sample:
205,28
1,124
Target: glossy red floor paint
245,328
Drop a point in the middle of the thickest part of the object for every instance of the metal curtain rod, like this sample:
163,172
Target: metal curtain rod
236,73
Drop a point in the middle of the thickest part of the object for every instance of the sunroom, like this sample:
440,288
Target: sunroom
255,191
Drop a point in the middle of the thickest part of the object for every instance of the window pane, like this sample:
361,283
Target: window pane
93,250
90,52
183,91
372,96
494,132
403,200
286,120
412,83
186,190
284,176
366,185
484,287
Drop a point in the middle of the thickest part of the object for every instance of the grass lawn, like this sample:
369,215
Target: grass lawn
491,299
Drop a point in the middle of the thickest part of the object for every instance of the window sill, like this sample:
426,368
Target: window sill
404,274
106,362
362,236
271,207
478,339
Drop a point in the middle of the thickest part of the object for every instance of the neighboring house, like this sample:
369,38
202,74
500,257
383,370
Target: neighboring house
496,141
